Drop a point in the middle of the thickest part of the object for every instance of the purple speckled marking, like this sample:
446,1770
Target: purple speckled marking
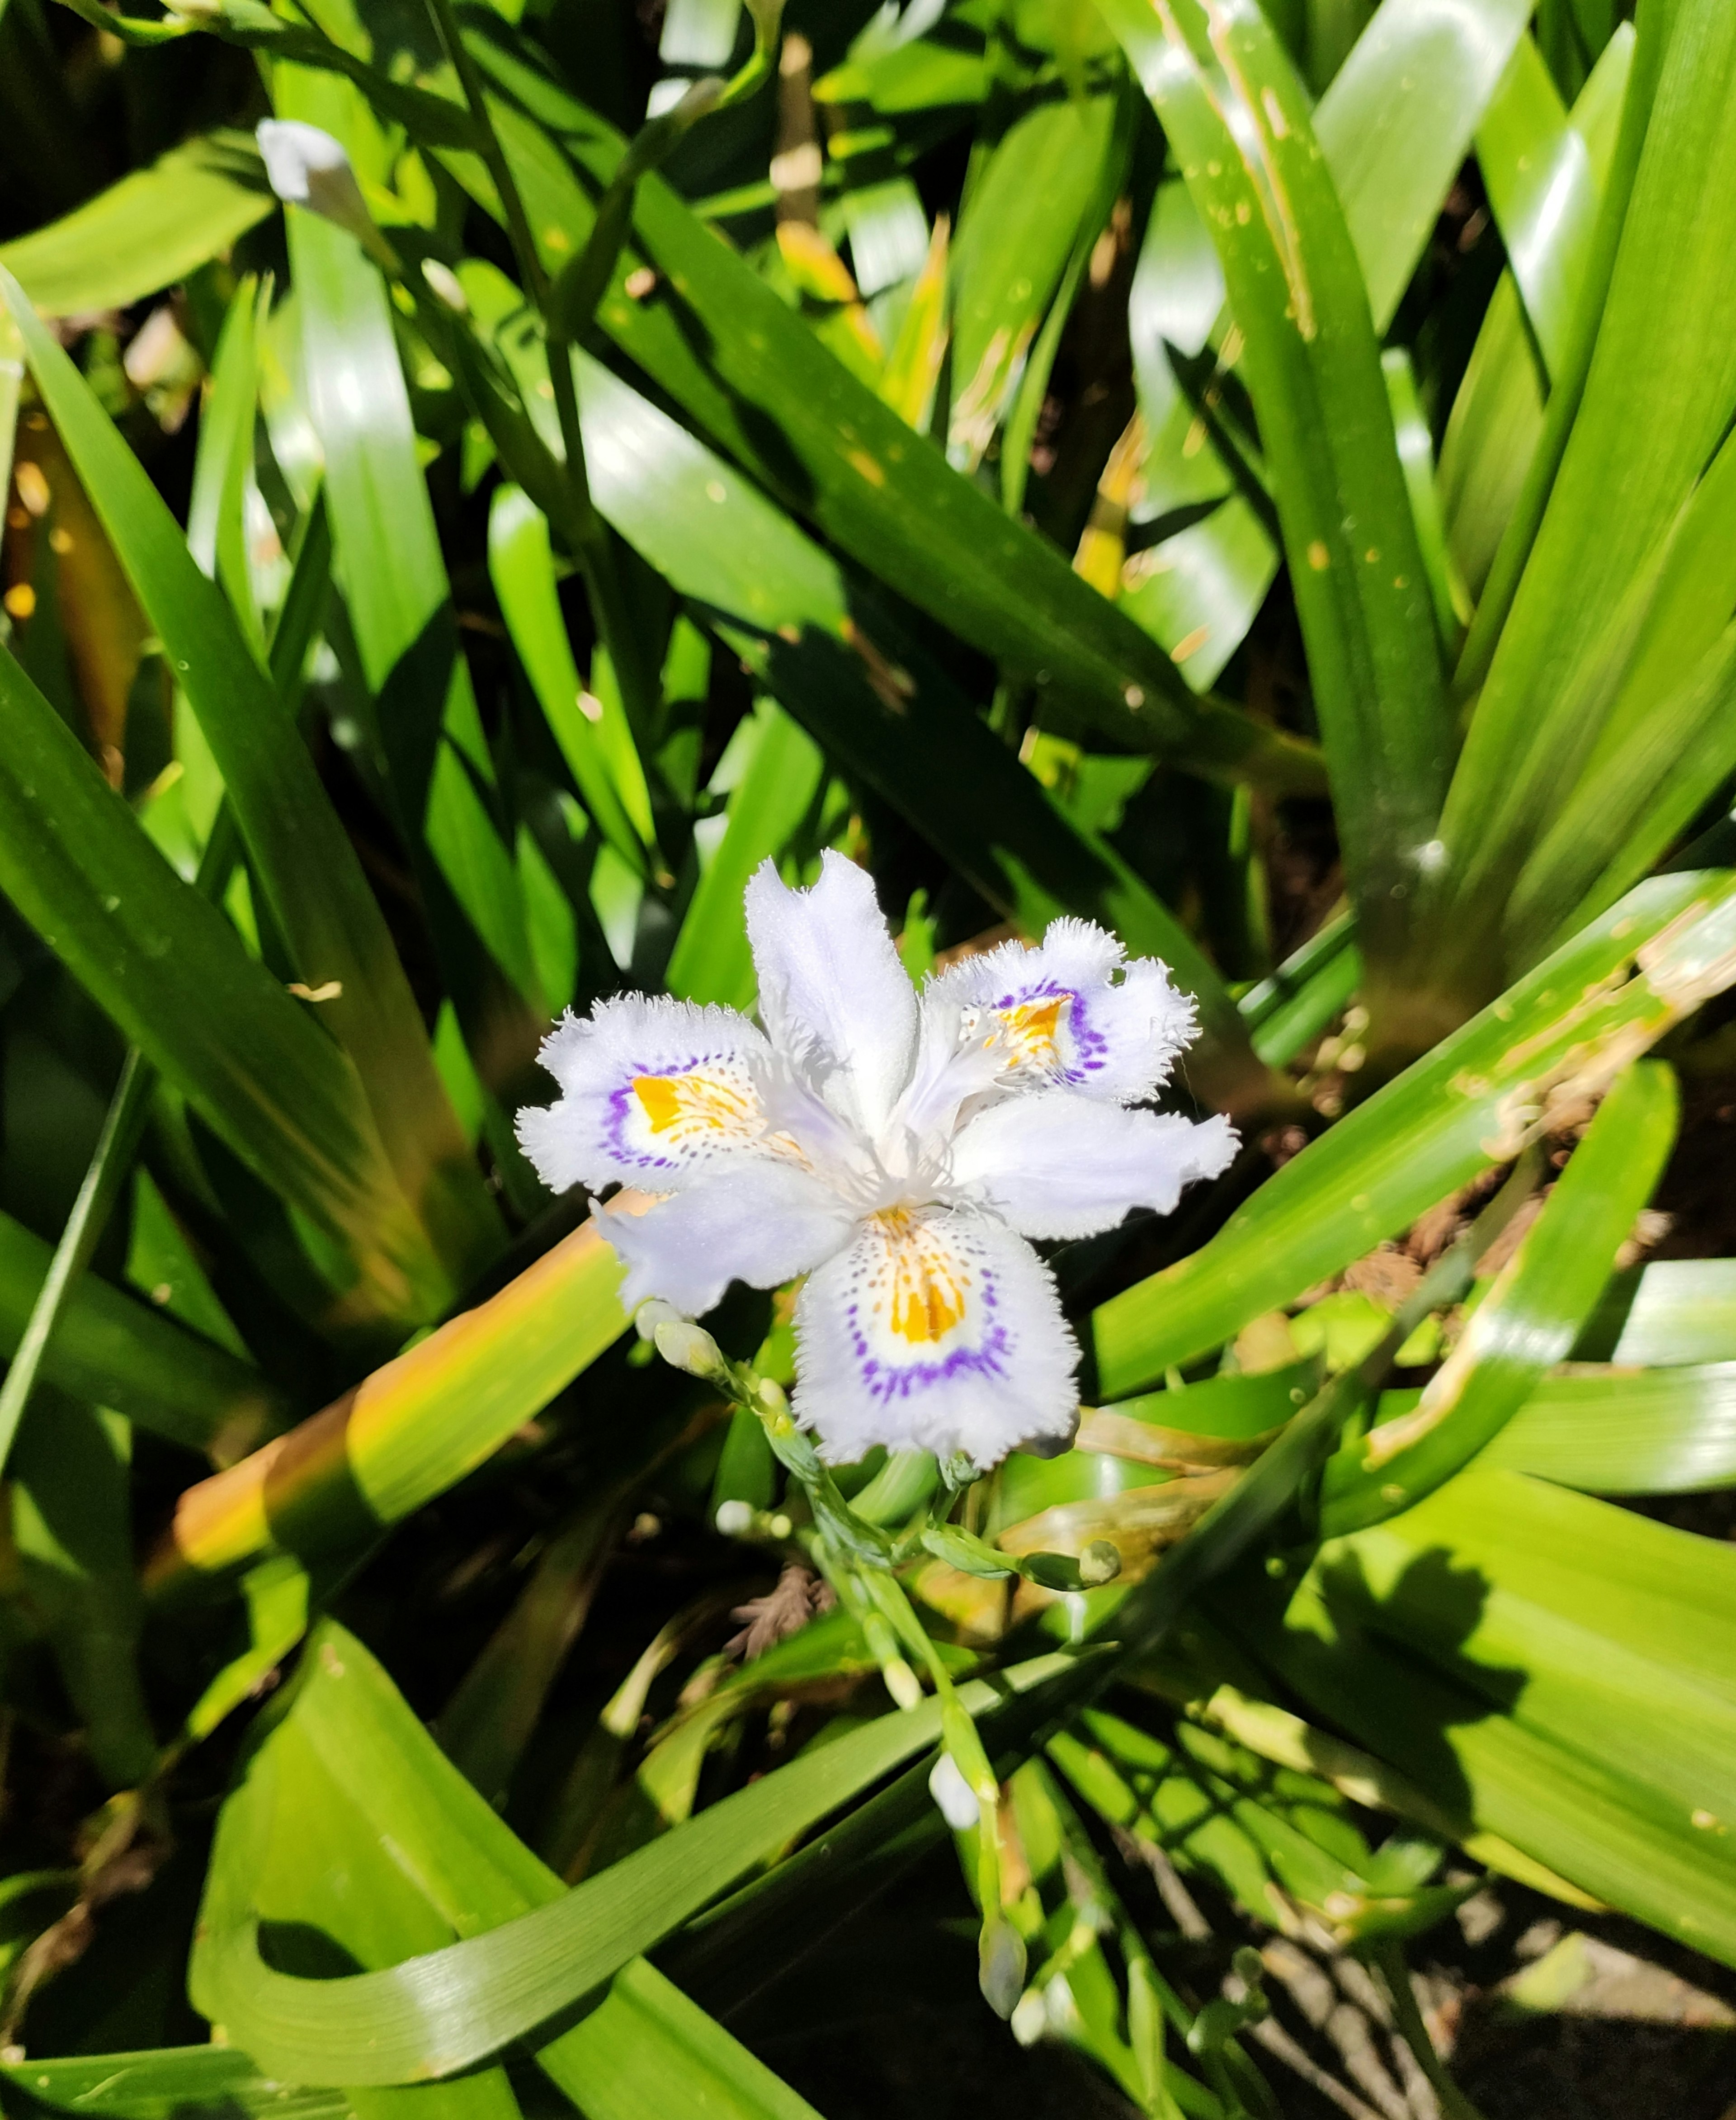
621,1100
884,1382
1090,1045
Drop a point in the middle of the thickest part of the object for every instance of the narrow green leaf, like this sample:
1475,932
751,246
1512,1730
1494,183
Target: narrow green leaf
110,1165
1393,126
298,852
216,533
1668,740
1565,1029
1617,1430
711,960
1543,192
427,727
1497,417
151,229
1238,121
1597,1641
1396,122
110,1349
850,462
1022,221
172,2082
71,1528
591,732
1672,1311
449,2008
1531,1317
1417,461
173,975
1657,398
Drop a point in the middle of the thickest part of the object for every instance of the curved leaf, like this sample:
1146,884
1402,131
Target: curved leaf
770,394
148,231
1565,1030
299,853
173,975
1530,1317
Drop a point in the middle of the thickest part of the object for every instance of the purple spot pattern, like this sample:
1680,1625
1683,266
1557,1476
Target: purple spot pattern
624,1103
1090,1045
886,1381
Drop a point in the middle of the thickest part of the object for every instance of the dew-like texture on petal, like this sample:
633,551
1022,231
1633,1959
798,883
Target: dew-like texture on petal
832,993
762,1222
656,1092
1072,1014
937,1329
1056,1164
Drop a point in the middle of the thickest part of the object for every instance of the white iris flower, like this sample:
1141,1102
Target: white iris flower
898,1149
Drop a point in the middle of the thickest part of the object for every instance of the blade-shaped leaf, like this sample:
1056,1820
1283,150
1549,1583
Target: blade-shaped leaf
151,229
1657,398
1531,1317
439,2012
299,851
111,1349
173,975
428,728
849,462
1565,1029
1237,119
415,1427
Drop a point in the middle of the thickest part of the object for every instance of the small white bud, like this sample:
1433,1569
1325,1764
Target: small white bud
772,1395
901,1683
1099,1563
953,1795
692,1348
1029,2021
735,1519
446,285
308,167
646,1318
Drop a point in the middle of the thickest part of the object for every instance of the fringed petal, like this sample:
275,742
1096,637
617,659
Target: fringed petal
657,1093
1056,1165
833,996
1073,1014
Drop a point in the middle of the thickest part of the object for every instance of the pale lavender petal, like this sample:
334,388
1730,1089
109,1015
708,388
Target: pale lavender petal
1056,1165
762,1224
833,994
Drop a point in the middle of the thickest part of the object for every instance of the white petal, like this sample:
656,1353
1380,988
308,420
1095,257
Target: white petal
308,167
763,1223
1073,1014
1056,1164
832,993
657,1093
292,153
938,1329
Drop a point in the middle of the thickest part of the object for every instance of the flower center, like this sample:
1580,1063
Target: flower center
927,1294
